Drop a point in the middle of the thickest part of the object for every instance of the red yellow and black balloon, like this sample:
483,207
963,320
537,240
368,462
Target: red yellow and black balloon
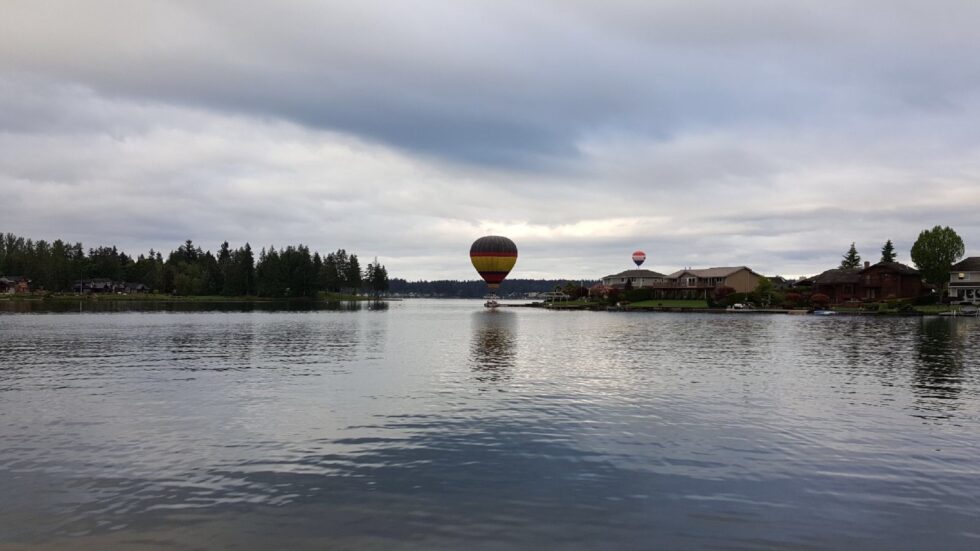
493,257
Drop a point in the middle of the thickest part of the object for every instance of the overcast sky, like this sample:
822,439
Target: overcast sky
714,133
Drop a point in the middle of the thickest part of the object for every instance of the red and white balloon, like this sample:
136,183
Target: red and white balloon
639,257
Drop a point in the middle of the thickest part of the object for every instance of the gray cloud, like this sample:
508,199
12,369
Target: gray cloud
714,133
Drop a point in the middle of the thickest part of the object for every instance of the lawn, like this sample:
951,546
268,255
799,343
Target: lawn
664,303
936,308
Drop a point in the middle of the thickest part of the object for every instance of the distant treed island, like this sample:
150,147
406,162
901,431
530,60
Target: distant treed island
287,272
290,272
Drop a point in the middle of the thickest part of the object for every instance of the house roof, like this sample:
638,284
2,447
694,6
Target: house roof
969,264
894,267
711,272
636,273
837,276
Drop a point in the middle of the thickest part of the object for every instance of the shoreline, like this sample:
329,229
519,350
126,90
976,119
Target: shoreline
159,298
767,311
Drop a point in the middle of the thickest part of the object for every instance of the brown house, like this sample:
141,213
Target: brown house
888,280
740,278
840,284
882,281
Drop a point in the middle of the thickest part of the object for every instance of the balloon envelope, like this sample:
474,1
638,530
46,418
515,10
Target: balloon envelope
639,257
493,257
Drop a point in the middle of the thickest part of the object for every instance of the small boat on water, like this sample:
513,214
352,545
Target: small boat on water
824,313
965,312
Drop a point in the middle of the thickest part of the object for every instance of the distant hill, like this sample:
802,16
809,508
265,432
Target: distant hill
477,288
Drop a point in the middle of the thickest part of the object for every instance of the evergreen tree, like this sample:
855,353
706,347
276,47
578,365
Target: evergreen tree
376,278
266,273
211,280
299,277
330,272
61,273
246,267
352,275
317,270
227,268
851,260
888,252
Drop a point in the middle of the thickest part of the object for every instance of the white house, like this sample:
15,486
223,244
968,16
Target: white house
636,278
964,281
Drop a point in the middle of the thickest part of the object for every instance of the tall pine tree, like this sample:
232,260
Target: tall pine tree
851,260
888,252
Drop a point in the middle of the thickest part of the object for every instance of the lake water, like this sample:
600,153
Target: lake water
438,425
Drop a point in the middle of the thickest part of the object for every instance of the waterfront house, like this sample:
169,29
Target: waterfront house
964,281
881,281
138,288
740,278
891,280
10,285
840,284
635,279
97,285
686,283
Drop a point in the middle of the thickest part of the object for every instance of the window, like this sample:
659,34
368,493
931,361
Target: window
961,275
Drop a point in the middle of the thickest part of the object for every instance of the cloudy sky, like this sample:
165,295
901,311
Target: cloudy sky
710,133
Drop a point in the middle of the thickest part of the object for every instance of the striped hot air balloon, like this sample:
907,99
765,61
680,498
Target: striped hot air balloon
493,257
639,257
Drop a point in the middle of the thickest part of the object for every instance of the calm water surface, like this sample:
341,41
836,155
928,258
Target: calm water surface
438,425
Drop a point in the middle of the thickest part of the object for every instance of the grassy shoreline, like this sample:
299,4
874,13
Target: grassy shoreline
702,306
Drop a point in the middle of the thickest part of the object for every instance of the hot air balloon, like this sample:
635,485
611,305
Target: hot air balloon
639,257
493,257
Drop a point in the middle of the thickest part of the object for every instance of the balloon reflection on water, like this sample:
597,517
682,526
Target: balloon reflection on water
494,347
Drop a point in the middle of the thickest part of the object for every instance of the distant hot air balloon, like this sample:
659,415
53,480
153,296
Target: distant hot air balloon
639,257
493,257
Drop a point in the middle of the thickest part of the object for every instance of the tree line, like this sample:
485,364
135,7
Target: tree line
189,270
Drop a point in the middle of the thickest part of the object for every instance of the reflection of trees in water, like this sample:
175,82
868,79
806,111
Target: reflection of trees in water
493,351
939,370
